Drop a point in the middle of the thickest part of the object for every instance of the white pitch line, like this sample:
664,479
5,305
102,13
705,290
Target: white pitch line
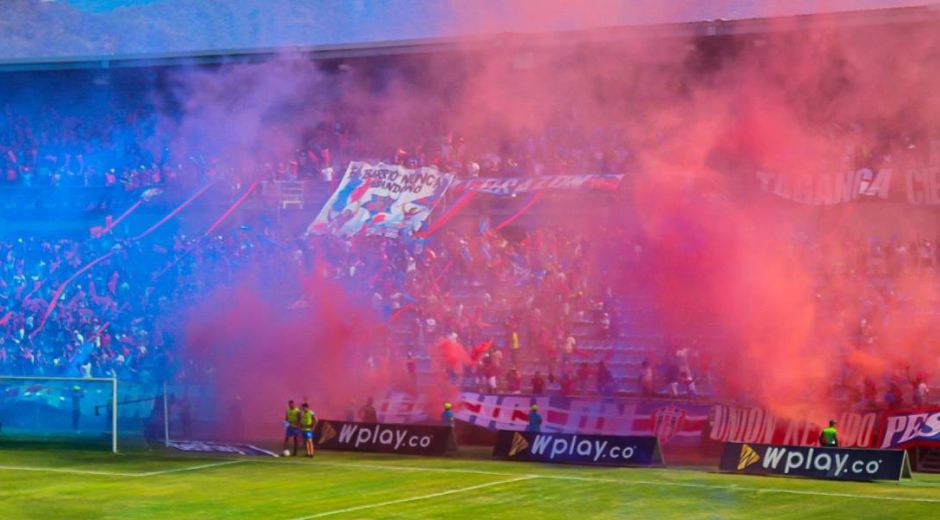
118,474
718,487
66,470
188,468
415,499
734,487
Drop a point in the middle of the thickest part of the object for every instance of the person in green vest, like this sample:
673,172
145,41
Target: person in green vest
291,425
308,420
828,437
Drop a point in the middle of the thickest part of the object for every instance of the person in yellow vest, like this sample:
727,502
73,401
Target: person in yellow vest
308,420
828,437
447,416
291,425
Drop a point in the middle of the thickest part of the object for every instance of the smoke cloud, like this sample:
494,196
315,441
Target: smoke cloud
759,284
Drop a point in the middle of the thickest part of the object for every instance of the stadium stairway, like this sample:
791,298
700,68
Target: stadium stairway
638,338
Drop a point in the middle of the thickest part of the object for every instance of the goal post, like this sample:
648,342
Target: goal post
62,409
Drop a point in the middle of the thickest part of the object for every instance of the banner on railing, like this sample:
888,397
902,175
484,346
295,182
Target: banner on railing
565,448
516,185
671,422
818,462
756,425
381,199
915,186
911,428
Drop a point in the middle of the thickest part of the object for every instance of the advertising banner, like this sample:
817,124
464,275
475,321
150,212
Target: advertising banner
381,199
407,439
911,428
756,425
815,462
564,448
219,447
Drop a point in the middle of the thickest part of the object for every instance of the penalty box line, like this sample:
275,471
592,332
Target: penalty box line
717,487
101,473
417,498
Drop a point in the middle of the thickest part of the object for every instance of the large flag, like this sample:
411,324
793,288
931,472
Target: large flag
381,199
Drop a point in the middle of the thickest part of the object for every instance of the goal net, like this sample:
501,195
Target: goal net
63,410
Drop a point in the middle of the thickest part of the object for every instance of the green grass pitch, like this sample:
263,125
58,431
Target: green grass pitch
75,484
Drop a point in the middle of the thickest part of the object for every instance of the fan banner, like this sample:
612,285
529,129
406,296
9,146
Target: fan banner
754,424
911,428
914,185
517,185
381,199
673,422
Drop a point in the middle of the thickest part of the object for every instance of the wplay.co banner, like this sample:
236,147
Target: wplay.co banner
600,450
911,428
384,438
816,462
381,199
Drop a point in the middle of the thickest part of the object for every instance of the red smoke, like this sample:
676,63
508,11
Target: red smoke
263,350
737,268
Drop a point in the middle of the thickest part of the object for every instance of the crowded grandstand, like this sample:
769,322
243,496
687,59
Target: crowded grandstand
702,228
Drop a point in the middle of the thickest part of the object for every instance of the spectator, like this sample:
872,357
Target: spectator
583,376
647,388
605,380
566,383
538,383
367,413
513,381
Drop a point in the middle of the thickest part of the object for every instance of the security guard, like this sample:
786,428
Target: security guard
828,437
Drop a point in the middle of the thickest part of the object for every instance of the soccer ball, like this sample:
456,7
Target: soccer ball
286,453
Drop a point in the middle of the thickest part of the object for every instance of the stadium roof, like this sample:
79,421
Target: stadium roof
74,32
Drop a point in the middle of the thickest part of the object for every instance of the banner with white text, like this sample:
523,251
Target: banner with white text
917,186
381,199
406,439
732,423
672,422
517,185
911,428
821,463
564,448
